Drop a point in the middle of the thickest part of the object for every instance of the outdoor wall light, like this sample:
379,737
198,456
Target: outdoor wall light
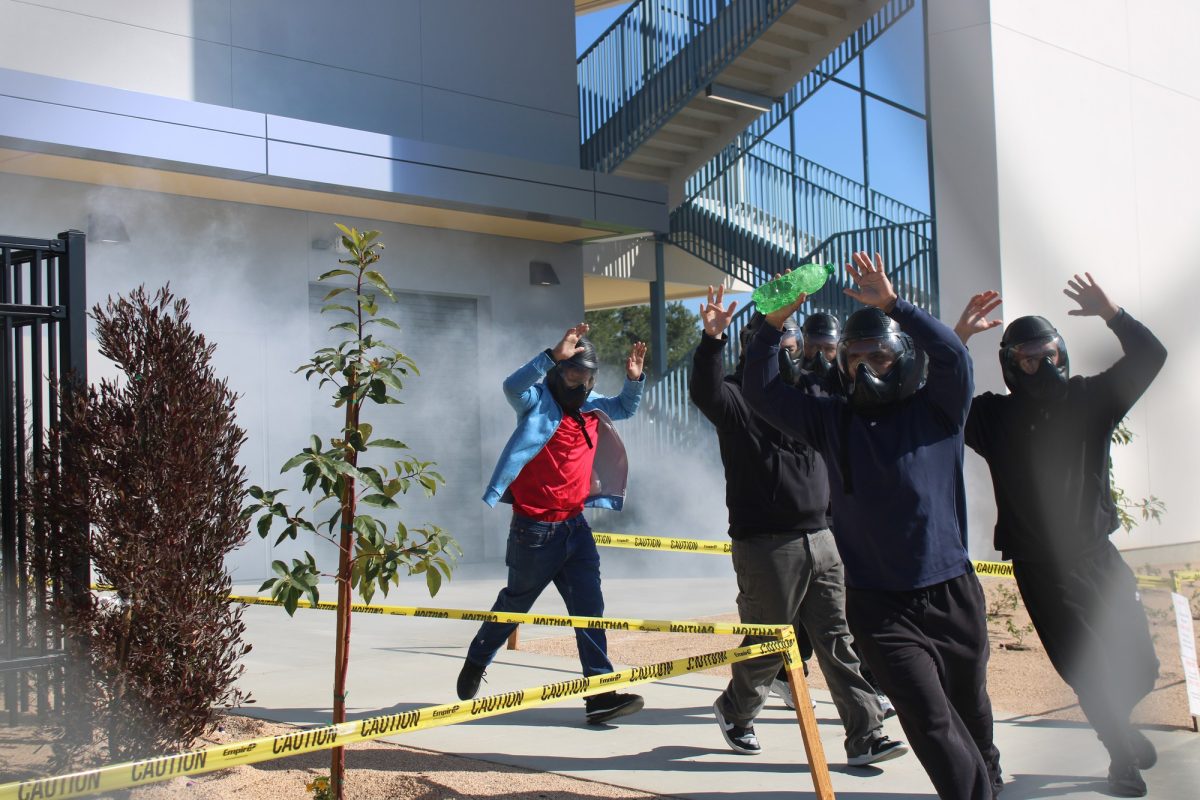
542,274
331,242
739,97
106,228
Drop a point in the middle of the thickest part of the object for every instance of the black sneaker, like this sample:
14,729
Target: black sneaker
610,705
880,749
1124,780
468,680
1143,749
740,740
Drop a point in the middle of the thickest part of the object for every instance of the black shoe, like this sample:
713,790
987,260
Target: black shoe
1143,749
468,680
1124,780
610,705
740,740
880,749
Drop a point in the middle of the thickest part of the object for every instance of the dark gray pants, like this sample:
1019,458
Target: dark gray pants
798,578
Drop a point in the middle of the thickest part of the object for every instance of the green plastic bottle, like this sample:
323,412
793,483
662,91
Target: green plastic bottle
783,291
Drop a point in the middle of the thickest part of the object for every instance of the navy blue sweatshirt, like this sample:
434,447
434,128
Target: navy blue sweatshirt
904,524
773,483
1049,462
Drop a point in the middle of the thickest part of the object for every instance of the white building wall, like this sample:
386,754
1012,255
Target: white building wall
247,270
1096,109
490,76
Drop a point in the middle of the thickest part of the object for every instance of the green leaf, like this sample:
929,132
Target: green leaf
381,500
433,580
338,307
291,602
335,292
393,443
295,461
345,326
383,321
288,533
378,279
268,582
264,524
280,569
333,273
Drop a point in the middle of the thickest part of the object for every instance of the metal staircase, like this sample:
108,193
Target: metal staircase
742,204
672,82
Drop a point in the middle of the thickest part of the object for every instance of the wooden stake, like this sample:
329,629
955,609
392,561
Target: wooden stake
514,638
822,784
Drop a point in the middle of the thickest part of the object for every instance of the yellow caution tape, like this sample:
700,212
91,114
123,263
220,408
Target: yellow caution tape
996,569
606,623
252,751
663,543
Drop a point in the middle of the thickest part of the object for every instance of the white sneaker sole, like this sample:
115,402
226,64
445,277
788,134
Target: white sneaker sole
874,758
734,746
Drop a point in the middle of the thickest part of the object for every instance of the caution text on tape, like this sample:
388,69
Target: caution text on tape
252,751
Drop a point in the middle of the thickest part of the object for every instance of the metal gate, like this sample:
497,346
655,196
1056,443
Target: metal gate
43,340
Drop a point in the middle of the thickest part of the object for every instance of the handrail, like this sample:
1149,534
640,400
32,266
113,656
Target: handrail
652,61
756,133
756,218
668,421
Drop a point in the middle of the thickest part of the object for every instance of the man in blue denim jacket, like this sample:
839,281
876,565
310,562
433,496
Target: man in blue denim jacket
563,455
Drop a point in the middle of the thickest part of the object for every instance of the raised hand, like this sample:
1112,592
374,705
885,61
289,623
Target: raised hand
874,288
974,316
633,364
1093,302
714,315
776,318
568,346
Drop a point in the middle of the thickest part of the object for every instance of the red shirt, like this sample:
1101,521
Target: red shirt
554,484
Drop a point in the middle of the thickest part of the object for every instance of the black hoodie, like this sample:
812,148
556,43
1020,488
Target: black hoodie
773,483
1049,461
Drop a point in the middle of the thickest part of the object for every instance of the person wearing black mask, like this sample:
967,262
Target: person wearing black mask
1046,444
820,332
893,445
564,455
786,562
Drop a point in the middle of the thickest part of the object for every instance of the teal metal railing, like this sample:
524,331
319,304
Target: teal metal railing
767,210
667,422
652,61
660,54
845,53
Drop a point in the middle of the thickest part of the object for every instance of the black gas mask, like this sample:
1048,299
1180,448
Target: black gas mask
789,353
571,381
820,336
878,364
1033,360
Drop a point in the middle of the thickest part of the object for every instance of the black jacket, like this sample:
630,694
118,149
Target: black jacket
899,501
1049,463
773,483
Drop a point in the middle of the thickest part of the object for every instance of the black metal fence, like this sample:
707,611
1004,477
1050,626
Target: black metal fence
43,340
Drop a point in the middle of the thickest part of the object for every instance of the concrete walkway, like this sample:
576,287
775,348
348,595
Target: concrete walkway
673,747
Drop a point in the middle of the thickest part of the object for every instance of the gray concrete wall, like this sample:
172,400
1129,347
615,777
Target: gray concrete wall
490,76
1064,141
468,312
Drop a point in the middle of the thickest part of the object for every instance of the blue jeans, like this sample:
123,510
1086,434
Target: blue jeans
538,553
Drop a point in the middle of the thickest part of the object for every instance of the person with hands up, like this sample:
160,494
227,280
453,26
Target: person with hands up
893,446
1046,444
787,565
563,455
